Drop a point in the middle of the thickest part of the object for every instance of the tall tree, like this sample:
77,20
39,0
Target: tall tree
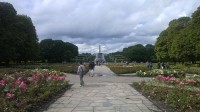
57,50
135,53
7,40
26,37
194,30
161,46
150,53
165,46
174,30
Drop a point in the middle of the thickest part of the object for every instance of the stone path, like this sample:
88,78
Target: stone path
102,93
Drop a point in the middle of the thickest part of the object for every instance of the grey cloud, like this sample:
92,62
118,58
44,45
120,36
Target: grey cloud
115,24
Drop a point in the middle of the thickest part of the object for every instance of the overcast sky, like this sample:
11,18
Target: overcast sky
113,24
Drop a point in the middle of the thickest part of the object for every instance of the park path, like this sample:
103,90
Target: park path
105,92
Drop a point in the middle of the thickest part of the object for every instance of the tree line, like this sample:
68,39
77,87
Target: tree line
139,53
19,42
180,42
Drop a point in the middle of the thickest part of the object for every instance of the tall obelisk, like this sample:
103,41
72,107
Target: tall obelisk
99,56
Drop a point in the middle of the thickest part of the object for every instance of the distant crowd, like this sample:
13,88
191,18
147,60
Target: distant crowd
163,65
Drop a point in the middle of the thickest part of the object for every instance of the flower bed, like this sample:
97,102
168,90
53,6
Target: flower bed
193,70
67,68
124,69
155,72
181,94
22,90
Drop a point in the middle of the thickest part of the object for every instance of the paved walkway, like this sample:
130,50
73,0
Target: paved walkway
102,93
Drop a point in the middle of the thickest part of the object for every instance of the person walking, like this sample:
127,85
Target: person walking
91,68
81,72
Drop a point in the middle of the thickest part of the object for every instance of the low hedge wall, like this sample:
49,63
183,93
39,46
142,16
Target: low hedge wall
125,69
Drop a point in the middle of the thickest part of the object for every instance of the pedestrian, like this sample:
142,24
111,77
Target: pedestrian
147,64
91,68
81,72
167,65
163,65
150,65
158,65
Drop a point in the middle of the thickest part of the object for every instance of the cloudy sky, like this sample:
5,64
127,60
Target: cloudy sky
113,24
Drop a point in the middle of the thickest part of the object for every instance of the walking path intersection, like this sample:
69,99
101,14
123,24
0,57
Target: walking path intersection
105,92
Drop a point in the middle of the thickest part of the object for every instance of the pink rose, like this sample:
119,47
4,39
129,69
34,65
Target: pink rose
9,95
2,82
181,83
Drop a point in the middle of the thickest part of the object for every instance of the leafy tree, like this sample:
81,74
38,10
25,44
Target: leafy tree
18,39
184,47
174,30
161,47
46,51
194,30
57,50
165,46
7,40
135,53
150,53
26,37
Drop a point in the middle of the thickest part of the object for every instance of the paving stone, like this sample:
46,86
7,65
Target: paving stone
96,104
129,109
83,109
65,110
116,102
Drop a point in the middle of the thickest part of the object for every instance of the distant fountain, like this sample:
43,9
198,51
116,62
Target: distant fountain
99,56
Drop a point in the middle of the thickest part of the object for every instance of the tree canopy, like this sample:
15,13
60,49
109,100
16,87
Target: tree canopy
57,50
18,38
180,41
139,53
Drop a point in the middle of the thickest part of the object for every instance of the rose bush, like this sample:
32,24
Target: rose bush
21,90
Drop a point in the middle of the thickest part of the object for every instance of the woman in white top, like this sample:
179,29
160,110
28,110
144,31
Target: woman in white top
81,72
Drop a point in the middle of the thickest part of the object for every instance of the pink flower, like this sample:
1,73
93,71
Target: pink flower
63,77
35,77
23,86
191,80
51,77
2,82
18,81
197,95
9,95
181,83
57,77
